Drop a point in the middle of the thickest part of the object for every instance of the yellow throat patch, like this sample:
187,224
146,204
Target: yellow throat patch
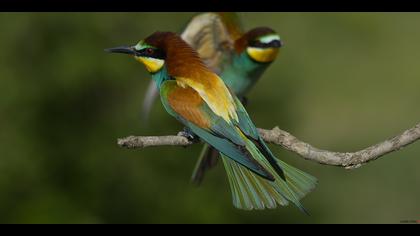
152,64
262,54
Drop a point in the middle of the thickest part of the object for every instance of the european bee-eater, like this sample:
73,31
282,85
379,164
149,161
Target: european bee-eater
239,57
200,100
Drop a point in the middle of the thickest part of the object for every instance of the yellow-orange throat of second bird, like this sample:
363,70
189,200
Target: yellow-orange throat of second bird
152,64
264,55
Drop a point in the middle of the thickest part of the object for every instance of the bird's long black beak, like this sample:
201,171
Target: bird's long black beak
122,49
277,43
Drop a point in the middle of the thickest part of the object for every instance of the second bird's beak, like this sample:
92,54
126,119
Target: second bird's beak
122,49
277,43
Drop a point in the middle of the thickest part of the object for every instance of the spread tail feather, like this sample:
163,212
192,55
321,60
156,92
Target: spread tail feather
250,191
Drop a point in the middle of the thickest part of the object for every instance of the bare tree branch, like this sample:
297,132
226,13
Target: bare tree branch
349,160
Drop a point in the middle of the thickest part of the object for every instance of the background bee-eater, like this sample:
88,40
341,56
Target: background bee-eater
238,57
199,99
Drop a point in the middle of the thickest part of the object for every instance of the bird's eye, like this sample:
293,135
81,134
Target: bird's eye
150,51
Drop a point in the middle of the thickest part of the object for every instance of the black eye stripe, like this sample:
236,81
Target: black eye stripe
272,44
151,52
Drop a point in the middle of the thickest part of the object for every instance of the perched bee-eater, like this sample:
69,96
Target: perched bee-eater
238,57
200,100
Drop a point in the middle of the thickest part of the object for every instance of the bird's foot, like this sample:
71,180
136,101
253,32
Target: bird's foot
187,133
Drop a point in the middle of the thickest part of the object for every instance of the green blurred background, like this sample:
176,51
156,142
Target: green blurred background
343,81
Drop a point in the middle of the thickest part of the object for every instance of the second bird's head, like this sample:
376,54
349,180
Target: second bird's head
261,44
150,51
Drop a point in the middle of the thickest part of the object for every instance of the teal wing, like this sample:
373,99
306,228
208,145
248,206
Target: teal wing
188,107
248,128
245,123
